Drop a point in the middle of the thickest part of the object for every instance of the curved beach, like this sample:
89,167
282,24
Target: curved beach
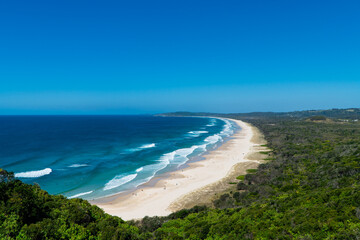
170,193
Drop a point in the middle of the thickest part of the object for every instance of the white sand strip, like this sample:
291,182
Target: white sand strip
156,200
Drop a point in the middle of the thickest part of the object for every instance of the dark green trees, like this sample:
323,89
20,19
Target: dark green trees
309,189
27,212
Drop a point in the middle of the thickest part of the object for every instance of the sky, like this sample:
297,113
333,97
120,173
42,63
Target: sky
141,56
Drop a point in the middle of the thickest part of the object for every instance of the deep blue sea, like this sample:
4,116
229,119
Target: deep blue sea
97,156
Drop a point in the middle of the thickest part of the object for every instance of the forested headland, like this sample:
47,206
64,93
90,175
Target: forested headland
309,188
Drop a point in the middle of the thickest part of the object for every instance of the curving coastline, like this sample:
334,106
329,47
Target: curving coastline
164,195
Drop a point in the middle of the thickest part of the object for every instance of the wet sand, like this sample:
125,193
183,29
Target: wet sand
193,185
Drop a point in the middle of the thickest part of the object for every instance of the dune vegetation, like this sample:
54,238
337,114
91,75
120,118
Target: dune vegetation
308,188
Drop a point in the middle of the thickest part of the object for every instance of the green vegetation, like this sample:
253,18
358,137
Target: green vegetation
265,152
241,177
27,212
251,170
309,190
349,114
317,118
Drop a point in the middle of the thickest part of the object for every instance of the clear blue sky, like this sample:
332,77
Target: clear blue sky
99,57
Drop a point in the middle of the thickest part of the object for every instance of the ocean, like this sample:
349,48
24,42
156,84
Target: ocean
96,156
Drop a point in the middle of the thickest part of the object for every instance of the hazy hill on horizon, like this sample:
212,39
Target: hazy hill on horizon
346,113
307,188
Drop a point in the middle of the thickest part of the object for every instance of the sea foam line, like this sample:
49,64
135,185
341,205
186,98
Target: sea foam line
151,145
119,180
196,133
80,194
142,147
178,157
78,165
181,156
212,122
228,128
213,139
34,174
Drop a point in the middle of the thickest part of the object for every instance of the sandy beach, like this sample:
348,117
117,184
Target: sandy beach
193,185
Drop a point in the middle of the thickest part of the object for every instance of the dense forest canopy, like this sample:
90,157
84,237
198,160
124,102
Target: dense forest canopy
308,188
340,114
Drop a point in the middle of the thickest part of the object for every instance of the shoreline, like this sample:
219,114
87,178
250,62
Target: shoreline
182,188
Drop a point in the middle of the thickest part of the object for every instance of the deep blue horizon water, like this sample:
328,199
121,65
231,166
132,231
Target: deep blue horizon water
96,156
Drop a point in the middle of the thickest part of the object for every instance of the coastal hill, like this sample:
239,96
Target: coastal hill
348,114
307,189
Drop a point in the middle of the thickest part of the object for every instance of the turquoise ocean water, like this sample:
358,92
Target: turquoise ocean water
96,156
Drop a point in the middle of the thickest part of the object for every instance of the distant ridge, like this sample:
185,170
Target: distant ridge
348,113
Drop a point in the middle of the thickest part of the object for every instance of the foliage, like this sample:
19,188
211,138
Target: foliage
350,114
317,118
27,212
251,170
241,177
309,190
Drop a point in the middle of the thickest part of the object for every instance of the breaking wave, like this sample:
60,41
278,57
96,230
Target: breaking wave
78,165
34,174
212,122
119,180
213,139
142,147
196,133
148,146
80,194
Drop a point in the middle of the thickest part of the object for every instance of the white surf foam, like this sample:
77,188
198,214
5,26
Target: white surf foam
80,194
228,128
177,157
119,180
181,156
196,133
34,174
142,147
203,147
184,152
163,162
78,165
147,146
213,139
212,123
227,131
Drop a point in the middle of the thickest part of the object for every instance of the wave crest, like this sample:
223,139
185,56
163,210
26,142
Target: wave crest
211,123
78,165
148,146
196,133
213,139
80,194
34,174
119,180
142,147
228,128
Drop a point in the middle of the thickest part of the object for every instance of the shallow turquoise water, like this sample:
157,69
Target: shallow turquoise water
96,156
